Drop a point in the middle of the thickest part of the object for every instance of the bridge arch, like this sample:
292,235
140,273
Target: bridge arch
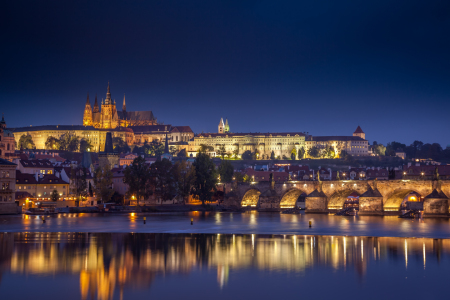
289,198
396,198
337,200
251,198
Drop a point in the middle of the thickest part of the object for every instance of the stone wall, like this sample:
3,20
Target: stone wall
370,205
9,208
316,204
435,206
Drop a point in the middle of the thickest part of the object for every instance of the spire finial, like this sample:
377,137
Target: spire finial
124,106
87,100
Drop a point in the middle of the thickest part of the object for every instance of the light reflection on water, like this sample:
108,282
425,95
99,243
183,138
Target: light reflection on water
104,264
243,223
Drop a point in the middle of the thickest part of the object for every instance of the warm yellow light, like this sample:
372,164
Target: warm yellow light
132,214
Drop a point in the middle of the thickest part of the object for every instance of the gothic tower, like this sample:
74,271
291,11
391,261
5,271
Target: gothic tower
358,132
96,108
87,116
109,118
221,126
227,127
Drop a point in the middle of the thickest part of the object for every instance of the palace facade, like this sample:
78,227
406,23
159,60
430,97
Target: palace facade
108,117
355,145
280,143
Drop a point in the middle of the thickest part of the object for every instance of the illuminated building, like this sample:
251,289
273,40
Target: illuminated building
108,117
7,142
263,143
355,145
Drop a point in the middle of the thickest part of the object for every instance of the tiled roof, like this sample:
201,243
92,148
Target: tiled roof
150,128
51,179
31,163
5,162
181,129
316,193
24,178
358,130
336,138
436,195
427,170
371,193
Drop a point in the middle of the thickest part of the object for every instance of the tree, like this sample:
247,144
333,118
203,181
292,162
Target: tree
78,183
238,177
184,179
173,150
139,179
329,152
293,153
85,145
301,153
120,146
236,153
394,146
26,142
345,156
117,198
247,155
272,155
226,171
221,151
164,180
206,177
246,178
52,143
205,148
154,148
74,144
379,149
313,152
54,196
103,183
182,153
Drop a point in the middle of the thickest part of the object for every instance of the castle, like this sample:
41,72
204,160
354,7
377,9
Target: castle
108,117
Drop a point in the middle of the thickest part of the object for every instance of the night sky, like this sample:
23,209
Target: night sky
323,67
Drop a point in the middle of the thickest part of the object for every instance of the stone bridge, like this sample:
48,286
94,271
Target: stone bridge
375,197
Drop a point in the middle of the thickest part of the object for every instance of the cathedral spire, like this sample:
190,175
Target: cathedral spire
108,95
96,109
124,106
87,100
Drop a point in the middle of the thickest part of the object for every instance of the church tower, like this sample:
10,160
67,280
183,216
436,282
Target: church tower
109,117
96,108
87,116
358,132
221,126
227,127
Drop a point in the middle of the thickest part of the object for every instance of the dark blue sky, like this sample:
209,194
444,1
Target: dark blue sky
319,66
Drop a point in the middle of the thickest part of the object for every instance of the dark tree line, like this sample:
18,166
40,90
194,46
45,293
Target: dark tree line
419,149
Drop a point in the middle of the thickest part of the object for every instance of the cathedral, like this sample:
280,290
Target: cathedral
108,117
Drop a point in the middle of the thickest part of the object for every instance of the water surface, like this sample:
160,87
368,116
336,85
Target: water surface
53,265
237,223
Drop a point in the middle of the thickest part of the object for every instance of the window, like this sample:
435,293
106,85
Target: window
45,186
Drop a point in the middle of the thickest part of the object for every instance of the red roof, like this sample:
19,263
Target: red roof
358,130
181,129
